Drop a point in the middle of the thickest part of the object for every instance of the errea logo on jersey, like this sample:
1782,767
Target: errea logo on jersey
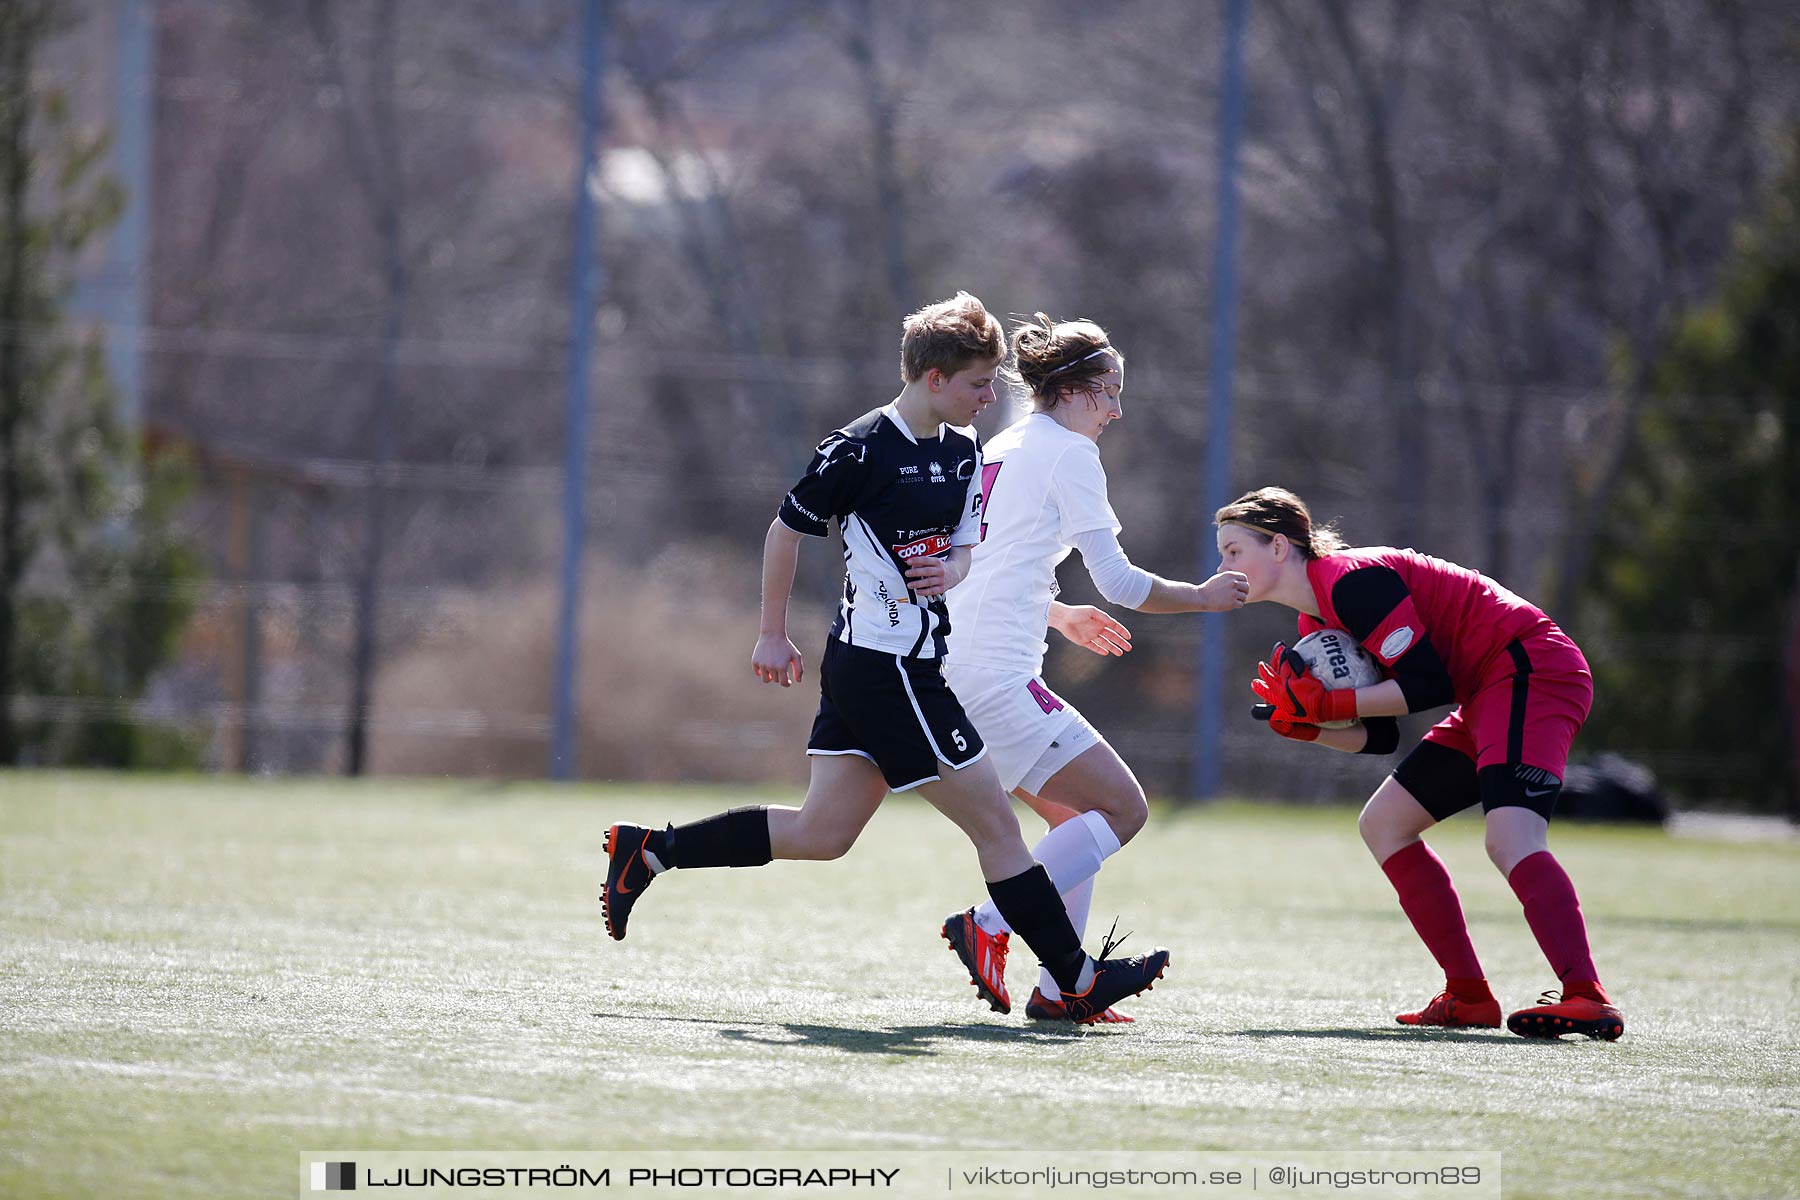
937,543
937,472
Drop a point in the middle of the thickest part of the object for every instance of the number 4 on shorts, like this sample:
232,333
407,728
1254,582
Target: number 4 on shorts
1044,696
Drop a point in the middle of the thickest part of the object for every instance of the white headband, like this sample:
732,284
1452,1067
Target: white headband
1066,366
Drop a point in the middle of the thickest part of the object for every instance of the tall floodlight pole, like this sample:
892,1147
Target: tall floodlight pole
1210,688
584,286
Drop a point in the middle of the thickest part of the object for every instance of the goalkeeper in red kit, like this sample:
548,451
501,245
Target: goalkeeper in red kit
1445,635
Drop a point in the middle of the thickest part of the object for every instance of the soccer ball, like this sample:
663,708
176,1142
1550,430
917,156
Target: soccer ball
1336,661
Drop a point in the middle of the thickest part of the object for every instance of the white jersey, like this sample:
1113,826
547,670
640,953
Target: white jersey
1041,487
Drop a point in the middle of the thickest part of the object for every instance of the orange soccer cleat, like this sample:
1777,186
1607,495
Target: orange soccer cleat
1041,1008
1581,1007
984,956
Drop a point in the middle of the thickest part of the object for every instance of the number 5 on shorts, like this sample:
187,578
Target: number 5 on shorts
957,737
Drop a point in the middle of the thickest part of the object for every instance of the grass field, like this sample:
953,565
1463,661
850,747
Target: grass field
201,978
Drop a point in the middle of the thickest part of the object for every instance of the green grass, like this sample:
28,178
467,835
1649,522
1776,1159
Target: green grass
201,978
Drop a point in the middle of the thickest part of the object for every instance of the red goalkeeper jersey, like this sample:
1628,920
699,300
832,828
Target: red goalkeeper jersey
1438,628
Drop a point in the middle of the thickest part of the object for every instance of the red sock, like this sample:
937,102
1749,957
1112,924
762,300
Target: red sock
1471,990
1554,913
1430,902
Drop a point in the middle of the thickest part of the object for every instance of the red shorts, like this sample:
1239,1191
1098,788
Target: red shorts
1528,708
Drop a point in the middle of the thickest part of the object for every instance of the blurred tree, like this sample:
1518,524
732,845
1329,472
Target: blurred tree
92,570
1695,573
1502,208
1471,210
1793,698
882,77
1354,80
370,123
1650,112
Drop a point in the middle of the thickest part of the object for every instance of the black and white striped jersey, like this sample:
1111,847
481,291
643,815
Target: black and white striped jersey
895,497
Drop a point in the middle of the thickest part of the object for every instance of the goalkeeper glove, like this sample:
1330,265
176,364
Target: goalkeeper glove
1294,730
1296,695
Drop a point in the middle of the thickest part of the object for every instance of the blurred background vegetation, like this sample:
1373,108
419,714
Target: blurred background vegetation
1520,286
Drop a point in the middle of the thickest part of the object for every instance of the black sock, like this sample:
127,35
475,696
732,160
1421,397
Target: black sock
738,838
1031,906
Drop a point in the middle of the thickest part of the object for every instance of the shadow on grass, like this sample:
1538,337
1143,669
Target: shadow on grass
915,1040
1695,925
1442,1037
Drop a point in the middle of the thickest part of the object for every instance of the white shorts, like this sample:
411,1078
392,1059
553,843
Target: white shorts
1030,731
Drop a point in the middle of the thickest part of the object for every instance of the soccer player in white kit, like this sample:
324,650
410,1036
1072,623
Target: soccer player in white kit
1044,494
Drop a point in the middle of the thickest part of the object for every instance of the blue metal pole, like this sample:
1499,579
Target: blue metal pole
1210,688
136,109
111,292
583,291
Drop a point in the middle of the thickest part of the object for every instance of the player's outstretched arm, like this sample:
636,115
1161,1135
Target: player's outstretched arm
1090,628
776,659
1119,582
1222,593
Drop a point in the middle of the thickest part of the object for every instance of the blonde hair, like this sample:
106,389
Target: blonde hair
1272,510
949,336
1057,358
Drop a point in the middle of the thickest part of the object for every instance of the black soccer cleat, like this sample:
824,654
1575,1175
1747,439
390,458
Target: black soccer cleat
1114,980
627,875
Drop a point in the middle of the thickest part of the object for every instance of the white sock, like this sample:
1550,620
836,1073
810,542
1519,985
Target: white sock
1071,853
1077,900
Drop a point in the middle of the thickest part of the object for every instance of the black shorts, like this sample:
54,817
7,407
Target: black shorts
1444,782
897,712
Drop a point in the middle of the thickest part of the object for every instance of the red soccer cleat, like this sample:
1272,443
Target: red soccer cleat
1558,1013
1450,1012
983,954
1041,1008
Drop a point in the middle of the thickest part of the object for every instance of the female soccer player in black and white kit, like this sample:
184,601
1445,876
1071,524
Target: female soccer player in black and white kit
898,482
1043,495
